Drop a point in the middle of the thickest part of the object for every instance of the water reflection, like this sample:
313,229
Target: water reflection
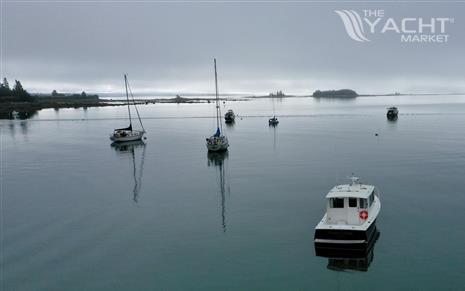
13,126
10,113
230,124
217,160
273,127
129,149
349,259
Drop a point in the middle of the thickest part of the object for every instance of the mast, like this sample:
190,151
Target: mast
127,98
218,110
135,106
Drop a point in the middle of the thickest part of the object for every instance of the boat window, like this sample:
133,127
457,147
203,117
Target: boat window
363,203
372,198
337,202
352,202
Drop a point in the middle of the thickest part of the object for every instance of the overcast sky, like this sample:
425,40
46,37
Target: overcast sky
260,47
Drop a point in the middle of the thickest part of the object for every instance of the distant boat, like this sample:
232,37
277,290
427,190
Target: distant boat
274,120
128,134
350,219
229,117
392,112
218,141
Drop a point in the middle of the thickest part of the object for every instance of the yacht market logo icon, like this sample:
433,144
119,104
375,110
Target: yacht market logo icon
353,24
361,27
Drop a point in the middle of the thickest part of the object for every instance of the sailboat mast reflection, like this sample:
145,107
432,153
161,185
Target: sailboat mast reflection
273,128
137,173
217,159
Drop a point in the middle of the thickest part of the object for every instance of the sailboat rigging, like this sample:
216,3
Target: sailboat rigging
128,134
218,141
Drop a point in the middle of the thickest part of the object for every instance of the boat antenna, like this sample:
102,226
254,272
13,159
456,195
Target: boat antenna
135,106
218,109
354,180
127,98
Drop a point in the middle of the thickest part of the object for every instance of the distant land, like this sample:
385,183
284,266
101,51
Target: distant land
342,93
17,102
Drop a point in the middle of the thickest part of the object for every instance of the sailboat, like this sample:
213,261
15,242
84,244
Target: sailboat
128,134
218,141
274,120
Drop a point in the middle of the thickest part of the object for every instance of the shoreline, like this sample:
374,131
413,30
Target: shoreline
27,109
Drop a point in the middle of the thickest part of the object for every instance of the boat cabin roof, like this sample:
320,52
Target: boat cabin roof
351,191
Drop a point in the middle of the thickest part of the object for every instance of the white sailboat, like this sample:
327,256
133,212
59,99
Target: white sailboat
218,141
128,133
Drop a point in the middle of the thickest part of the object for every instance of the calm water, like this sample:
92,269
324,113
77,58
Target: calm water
79,214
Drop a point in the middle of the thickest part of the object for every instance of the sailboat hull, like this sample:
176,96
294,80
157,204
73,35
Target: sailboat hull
127,135
217,144
217,148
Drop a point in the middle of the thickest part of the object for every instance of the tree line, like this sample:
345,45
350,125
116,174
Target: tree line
17,92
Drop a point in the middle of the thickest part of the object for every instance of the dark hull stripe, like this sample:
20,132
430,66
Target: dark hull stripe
348,239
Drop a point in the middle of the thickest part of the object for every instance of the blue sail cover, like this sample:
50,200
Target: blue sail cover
217,133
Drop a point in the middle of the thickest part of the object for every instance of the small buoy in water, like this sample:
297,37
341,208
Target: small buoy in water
376,134
145,137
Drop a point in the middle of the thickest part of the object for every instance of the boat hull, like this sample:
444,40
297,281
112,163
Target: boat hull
273,121
130,136
217,148
217,143
346,239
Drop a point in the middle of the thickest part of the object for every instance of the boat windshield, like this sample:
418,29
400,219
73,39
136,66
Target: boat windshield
336,202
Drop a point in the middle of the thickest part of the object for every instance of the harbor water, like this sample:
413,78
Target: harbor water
80,214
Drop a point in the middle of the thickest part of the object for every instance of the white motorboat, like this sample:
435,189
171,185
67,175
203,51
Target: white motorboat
218,141
128,133
350,219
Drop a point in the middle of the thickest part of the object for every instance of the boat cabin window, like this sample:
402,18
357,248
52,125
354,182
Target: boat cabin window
336,202
363,203
352,202
372,198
